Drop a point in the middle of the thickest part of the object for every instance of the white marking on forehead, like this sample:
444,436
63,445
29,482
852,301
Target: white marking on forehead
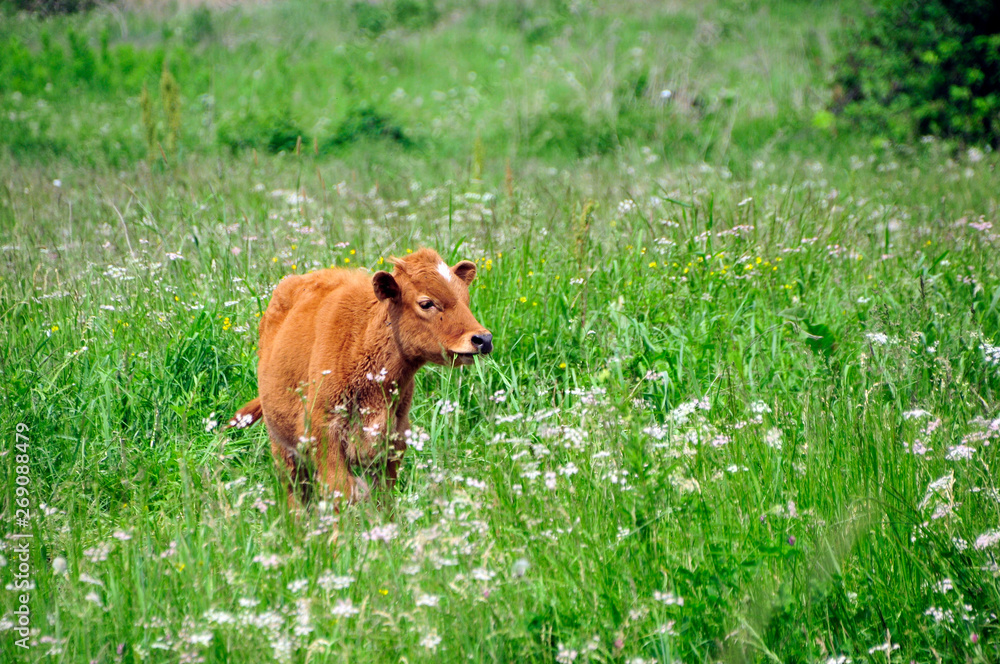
445,272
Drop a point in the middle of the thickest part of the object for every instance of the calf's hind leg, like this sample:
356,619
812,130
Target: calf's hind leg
296,472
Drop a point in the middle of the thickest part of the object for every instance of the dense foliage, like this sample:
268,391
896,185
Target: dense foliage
914,68
45,7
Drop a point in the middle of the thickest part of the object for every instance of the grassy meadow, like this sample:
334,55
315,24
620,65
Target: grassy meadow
743,405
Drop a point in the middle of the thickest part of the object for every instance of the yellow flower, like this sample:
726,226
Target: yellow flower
295,246
353,252
562,365
652,264
523,299
176,299
409,251
381,260
347,260
55,328
383,592
759,260
294,266
489,265
274,260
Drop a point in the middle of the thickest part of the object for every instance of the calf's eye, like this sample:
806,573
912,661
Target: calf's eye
426,304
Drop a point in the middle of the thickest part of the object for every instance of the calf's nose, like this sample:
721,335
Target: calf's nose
483,342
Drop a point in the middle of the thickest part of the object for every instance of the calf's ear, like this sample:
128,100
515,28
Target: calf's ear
465,270
386,287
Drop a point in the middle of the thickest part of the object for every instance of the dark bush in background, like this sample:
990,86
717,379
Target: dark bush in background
365,123
45,7
919,67
272,132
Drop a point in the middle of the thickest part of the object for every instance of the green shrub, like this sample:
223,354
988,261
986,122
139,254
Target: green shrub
918,67
270,132
200,26
374,18
46,7
371,18
69,62
568,131
415,14
365,123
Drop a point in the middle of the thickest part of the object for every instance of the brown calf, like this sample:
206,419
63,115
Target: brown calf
338,352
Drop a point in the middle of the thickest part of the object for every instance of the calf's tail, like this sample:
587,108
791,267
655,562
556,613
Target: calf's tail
246,416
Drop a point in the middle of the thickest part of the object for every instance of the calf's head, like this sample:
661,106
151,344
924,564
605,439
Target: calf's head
429,309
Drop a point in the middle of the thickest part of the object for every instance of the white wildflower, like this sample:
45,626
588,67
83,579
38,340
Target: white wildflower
210,422
625,206
959,452
565,655
482,574
773,438
444,406
270,561
877,338
431,640
669,599
987,540
427,600
344,608
886,647
385,533
330,581
520,567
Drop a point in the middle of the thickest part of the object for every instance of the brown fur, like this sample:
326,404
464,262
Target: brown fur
338,352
